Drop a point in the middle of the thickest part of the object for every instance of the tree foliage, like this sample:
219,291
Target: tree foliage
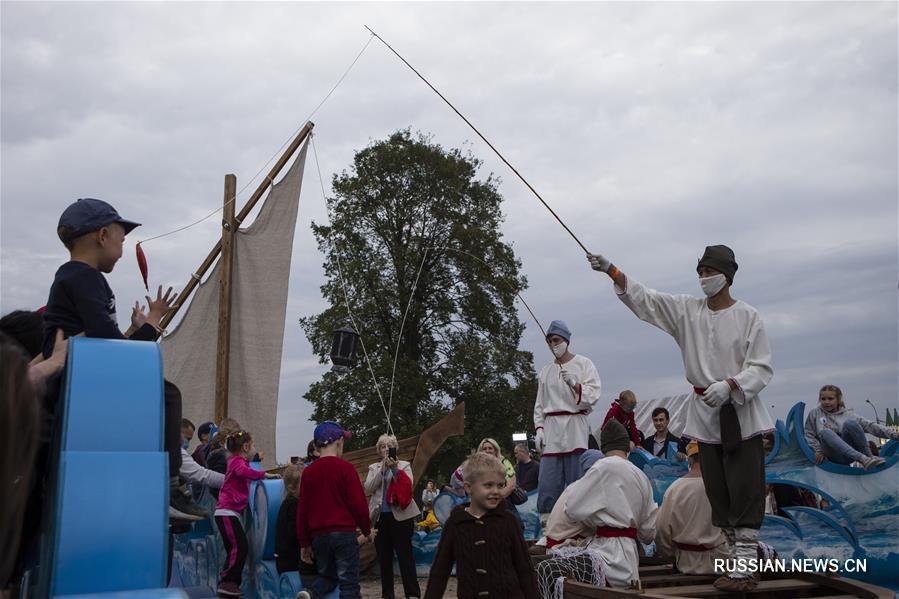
409,208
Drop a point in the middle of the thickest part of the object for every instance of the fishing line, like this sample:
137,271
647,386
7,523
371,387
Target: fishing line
399,339
475,129
346,297
274,156
505,282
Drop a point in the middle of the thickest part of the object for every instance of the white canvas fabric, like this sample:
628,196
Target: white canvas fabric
260,276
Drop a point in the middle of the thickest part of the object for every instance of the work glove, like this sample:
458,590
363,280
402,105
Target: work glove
599,262
539,441
716,394
570,379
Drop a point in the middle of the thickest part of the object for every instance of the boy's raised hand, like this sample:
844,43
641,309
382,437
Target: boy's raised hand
138,316
161,305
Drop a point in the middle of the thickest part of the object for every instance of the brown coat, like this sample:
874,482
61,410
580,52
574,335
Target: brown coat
490,555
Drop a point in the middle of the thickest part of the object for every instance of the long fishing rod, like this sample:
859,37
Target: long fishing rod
475,129
505,282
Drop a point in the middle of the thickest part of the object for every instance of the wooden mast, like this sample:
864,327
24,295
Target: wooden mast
224,336
196,277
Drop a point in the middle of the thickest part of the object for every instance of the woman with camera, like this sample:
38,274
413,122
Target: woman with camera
389,487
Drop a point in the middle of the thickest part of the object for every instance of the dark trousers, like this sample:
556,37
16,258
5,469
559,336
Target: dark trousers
735,483
337,561
172,434
235,541
396,537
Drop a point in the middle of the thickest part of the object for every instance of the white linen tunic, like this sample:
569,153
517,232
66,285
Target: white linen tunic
562,531
715,345
615,493
560,411
686,517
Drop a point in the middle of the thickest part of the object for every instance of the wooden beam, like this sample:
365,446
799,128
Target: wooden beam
197,276
223,352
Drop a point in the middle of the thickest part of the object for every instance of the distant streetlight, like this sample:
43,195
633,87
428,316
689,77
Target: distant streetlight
876,417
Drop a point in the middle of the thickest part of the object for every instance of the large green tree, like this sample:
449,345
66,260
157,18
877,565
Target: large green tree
409,208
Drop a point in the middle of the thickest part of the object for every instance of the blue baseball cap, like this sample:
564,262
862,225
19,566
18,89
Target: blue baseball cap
328,432
89,214
558,327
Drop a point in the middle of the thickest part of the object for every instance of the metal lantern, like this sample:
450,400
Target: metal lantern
343,350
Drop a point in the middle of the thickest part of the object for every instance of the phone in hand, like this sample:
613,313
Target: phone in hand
391,453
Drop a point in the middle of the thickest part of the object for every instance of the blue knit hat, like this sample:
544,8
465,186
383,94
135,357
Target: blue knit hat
558,327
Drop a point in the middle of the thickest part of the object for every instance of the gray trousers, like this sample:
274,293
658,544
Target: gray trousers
735,483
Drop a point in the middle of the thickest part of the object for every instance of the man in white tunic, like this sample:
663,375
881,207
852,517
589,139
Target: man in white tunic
567,389
684,529
727,360
614,501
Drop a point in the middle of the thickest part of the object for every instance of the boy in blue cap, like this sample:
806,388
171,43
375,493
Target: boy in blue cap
330,508
81,302
567,389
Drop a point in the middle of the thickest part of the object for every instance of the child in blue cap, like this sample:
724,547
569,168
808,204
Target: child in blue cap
81,302
330,509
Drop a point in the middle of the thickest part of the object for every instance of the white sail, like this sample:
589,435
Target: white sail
259,281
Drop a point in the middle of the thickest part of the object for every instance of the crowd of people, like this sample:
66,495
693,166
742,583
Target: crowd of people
596,506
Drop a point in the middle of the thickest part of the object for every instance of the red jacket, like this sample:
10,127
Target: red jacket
627,419
399,491
331,500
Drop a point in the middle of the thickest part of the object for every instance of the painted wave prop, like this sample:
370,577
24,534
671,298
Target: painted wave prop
861,520
861,517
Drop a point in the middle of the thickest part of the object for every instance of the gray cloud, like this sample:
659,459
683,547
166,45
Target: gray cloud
653,129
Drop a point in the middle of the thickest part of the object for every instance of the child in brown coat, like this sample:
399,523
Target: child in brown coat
484,540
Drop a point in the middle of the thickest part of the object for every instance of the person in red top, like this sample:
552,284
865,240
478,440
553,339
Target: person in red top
330,508
622,410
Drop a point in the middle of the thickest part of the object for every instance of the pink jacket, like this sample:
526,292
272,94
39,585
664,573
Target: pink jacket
235,492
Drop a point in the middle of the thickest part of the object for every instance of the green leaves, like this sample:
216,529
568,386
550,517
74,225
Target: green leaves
403,196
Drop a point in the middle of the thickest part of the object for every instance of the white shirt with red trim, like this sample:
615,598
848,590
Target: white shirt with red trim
715,345
560,410
616,494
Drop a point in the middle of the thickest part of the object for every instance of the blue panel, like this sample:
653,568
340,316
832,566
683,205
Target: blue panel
144,594
113,396
267,580
264,509
111,527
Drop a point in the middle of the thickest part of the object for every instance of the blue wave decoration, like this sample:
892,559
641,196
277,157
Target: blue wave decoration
859,517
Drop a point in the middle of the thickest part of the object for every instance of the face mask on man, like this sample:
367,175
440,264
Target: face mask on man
560,349
712,285
185,443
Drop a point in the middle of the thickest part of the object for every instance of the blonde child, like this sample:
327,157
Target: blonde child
233,499
484,540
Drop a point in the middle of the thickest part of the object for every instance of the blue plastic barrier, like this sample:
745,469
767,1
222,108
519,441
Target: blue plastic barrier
109,522
267,580
264,507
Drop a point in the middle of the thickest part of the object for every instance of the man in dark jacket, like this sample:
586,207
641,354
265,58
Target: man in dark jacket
663,444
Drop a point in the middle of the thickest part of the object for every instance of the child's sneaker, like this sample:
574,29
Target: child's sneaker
304,595
872,461
229,589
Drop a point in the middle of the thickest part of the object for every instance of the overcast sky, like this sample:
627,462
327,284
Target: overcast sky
652,129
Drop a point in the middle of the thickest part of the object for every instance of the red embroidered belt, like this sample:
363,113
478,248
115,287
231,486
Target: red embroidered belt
699,390
581,413
611,531
689,547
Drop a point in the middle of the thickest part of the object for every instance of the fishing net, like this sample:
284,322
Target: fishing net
576,563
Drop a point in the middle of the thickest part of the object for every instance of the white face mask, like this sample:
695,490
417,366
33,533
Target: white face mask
560,349
712,285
